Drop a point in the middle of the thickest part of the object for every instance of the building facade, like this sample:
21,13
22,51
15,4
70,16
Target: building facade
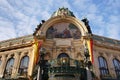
61,48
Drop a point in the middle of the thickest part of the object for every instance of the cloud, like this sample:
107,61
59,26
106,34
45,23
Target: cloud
102,16
113,26
7,31
18,22
20,18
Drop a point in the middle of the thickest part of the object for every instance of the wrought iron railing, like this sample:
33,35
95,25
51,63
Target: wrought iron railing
66,67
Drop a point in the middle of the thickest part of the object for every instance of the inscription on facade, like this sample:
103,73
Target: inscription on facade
60,42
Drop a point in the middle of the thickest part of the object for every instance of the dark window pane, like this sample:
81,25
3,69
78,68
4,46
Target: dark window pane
24,65
117,66
9,67
103,66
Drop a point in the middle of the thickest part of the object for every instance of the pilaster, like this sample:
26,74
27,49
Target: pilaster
16,64
3,65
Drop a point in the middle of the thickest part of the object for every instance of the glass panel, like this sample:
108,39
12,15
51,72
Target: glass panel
117,66
63,55
63,59
9,66
103,66
24,65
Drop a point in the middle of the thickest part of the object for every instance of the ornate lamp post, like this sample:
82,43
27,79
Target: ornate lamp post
41,64
87,64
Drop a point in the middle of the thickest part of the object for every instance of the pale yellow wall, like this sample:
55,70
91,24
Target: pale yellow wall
17,55
109,54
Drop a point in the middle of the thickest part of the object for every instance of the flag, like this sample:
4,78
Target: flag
90,49
36,46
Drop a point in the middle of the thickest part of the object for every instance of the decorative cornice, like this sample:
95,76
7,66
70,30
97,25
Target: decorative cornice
106,40
106,45
15,47
16,43
27,41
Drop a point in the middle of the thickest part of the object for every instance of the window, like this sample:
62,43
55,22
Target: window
103,66
63,59
63,55
24,65
9,66
116,63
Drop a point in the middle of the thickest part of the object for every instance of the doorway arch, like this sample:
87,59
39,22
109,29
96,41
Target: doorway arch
61,55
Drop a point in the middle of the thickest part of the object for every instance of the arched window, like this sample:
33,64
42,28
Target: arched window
116,63
63,55
9,67
23,65
63,59
103,66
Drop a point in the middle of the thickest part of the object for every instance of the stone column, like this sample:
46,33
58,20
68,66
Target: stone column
96,69
16,64
31,62
111,65
3,65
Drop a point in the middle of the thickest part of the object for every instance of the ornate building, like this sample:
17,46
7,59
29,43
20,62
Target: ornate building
61,48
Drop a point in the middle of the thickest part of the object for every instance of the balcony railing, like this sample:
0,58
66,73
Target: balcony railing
66,69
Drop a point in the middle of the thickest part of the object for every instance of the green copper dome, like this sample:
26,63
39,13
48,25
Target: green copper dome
63,12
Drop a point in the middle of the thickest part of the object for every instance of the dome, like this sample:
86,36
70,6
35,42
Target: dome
63,12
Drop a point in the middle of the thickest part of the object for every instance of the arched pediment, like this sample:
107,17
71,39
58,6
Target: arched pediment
60,24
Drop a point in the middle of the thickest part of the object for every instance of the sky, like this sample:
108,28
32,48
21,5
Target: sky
21,17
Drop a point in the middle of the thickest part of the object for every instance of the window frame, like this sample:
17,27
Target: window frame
9,67
23,68
116,64
103,66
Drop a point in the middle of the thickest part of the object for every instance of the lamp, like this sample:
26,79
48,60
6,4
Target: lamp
42,53
42,63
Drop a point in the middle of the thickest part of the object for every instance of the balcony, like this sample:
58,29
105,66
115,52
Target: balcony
66,68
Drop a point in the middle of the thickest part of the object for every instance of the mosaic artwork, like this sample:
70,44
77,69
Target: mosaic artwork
63,30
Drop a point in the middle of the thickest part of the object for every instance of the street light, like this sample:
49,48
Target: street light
41,64
87,63
42,53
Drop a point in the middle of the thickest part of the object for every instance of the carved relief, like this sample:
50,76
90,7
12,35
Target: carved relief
100,54
108,54
79,55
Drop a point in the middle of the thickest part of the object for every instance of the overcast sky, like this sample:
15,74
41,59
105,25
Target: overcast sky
20,17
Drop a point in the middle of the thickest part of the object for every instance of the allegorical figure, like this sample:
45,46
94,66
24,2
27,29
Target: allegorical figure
77,34
66,33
